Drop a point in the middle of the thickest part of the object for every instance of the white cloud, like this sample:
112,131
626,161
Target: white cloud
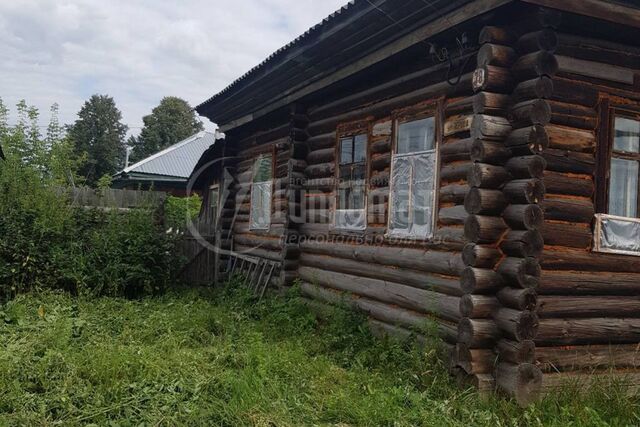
139,50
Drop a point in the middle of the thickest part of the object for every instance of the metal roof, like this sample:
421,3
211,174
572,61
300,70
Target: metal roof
176,161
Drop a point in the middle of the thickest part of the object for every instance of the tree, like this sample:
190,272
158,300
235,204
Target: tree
169,123
99,134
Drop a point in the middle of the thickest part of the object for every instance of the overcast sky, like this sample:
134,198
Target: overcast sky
138,51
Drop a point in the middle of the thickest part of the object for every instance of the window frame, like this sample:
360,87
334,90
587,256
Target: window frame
435,109
605,150
352,130
253,182
213,217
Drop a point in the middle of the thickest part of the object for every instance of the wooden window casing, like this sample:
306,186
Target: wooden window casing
624,242
607,152
427,111
213,206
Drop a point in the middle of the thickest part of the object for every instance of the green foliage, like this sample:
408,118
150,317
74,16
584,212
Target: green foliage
178,211
47,244
98,134
169,123
220,359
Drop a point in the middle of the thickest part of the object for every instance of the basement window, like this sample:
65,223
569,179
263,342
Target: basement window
413,179
261,191
618,230
351,213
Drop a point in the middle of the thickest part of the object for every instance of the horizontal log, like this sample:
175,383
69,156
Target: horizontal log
516,351
498,35
477,333
493,104
484,175
515,324
615,356
321,170
444,306
380,146
455,172
529,140
574,92
568,209
322,141
523,382
520,272
545,39
569,161
572,115
383,312
588,306
522,243
490,78
566,138
258,242
601,330
534,65
569,184
518,299
440,262
484,229
453,215
411,277
457,149
327,184
536,88
475,361
485,202
496,54
380,161
531,112
573,235
489,127
452,193
579,282
480,256
324,155
522,191
489,152
478,306
480,281
458,106
523,167
258,252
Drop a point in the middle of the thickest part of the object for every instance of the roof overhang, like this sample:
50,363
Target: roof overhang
245,101
217,108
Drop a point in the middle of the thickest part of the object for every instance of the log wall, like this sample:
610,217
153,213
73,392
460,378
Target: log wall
509,280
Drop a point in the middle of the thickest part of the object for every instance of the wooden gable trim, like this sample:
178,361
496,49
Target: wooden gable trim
596,9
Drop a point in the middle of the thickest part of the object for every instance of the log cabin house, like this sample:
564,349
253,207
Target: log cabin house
471,165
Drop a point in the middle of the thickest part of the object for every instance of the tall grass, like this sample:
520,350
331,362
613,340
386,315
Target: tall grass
219,359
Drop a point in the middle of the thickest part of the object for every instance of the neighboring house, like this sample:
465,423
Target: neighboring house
489,190
167,170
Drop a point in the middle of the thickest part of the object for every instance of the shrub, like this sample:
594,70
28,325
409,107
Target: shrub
179,210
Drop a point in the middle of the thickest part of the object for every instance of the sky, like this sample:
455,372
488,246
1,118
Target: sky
138,51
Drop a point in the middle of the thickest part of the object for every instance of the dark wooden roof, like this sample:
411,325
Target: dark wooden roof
360,34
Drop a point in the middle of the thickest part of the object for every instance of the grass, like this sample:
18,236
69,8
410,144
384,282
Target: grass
217,360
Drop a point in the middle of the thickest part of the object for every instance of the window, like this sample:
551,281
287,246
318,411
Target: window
413,179
214,197
261,191
618,228
352,171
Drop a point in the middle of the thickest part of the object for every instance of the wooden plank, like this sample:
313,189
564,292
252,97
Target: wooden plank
599,9
596,70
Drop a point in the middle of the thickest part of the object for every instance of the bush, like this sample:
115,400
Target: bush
179,210
45,243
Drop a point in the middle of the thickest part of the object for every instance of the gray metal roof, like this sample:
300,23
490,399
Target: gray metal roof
176,161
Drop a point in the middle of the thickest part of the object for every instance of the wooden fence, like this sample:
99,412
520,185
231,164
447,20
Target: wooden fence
111,198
